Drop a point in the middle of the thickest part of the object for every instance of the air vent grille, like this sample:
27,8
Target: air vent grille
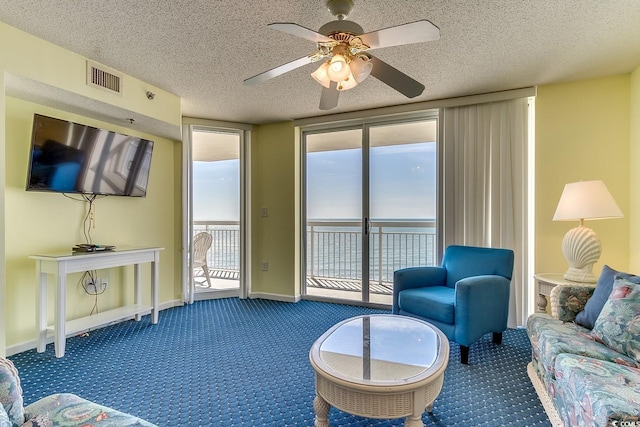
104,78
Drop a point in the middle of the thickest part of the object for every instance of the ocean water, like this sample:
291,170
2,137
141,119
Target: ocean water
337,251
334,247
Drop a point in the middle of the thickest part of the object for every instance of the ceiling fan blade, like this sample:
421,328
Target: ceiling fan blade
275,72
395,78
414,32
329,97
300,31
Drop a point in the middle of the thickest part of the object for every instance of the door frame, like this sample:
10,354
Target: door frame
244,133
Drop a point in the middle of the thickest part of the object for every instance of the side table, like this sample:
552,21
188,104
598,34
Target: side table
545,283
60,265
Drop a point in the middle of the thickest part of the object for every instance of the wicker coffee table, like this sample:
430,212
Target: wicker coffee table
379,366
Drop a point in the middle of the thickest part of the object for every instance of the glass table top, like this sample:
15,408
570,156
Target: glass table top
379,349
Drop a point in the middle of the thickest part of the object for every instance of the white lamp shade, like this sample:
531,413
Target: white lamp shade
348,83
360,68
320,75
338,68
586,200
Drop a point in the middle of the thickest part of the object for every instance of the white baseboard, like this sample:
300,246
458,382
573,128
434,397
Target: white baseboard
274,297
31,344
229,293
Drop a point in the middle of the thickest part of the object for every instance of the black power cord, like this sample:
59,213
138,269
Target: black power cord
90,218
87,224
92,276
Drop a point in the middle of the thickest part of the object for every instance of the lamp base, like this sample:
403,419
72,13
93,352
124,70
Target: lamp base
580,275
581,248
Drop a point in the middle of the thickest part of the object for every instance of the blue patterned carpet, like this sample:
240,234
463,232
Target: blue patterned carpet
234,362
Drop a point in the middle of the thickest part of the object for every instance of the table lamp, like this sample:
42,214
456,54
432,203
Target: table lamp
581,246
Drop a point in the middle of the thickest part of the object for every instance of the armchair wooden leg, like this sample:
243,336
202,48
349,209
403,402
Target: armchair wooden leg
464,355
497,337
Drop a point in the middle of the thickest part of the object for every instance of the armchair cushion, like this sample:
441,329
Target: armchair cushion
592,309
438,301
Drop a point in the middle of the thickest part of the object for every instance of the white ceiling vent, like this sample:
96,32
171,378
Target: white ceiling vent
104,78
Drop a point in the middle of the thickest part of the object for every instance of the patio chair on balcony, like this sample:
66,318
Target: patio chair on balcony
201,245
466,297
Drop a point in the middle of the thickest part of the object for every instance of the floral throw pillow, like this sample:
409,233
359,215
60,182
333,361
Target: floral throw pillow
618,325
587,317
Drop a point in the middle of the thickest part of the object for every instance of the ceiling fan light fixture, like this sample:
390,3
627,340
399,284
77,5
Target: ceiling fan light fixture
361,68
348,83
320,75
343,48
338,68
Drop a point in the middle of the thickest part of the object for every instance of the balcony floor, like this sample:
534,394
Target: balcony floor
225,279
348,285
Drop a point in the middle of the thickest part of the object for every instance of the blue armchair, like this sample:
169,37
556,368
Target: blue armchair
466,297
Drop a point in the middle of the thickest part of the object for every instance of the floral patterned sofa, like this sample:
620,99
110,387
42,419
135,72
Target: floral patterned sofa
587,371
63,409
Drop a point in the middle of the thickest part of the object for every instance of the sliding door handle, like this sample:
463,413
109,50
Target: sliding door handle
367,226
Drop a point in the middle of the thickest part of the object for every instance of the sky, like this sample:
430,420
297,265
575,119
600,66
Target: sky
216,190
403,184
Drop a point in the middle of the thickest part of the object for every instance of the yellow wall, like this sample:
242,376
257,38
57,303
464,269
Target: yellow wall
582,133
33,222
273,182
29,57
634,216
52,223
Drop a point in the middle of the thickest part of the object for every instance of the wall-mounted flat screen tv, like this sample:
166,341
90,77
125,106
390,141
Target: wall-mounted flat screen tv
68,157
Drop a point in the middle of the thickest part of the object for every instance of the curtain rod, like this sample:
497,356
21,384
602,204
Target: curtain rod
420,106
216,123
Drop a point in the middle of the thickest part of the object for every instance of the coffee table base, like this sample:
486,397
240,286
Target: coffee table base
410,403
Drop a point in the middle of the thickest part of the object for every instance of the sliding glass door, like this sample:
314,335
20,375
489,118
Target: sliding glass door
334,217
371,204
403,201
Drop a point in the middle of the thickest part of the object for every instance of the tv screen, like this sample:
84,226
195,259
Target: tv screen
68,157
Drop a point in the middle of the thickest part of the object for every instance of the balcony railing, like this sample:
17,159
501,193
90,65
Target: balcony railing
224,254
334,248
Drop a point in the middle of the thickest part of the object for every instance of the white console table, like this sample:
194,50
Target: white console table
61,265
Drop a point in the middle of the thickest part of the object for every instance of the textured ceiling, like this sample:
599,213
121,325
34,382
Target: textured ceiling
203,50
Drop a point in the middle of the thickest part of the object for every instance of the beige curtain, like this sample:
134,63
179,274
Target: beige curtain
484,198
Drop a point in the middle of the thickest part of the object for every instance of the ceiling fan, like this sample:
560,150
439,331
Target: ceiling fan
344,50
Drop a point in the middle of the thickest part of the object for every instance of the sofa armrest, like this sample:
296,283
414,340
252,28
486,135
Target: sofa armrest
11,392
73,411
569,300
416,277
